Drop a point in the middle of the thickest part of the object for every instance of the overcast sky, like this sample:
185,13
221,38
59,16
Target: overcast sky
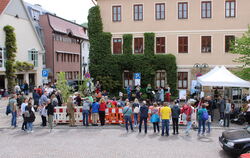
67,9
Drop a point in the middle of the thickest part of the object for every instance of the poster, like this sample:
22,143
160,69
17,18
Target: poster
182,94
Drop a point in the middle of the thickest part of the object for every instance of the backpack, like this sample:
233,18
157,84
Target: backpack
204,115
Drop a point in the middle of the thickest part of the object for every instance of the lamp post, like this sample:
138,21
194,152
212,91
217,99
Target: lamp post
200,67
84,68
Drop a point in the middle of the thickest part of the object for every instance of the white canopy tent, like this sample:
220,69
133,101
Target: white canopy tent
223,78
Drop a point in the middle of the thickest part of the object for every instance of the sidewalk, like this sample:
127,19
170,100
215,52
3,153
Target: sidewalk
5,122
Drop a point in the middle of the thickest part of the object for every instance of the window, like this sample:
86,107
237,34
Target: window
33,56
117,46
74,59
2,57
206,9
228,42
77,58
57,56
44,59
182,80
160,11
160,44
35,14
230,8
128,78
138,12
62,57
183,44
65,56
160,78
182,10
138,45
206,44
116,12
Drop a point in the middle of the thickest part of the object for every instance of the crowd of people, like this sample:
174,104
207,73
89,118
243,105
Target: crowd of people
136,113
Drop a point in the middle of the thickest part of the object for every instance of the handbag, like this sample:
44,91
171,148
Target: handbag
8,110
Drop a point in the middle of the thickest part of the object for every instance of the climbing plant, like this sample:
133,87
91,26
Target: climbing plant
108,68
62,85
23,66
10,45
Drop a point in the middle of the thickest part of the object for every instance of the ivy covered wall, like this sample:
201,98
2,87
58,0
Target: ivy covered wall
105,66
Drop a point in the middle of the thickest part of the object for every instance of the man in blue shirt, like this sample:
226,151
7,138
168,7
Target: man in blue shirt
95,112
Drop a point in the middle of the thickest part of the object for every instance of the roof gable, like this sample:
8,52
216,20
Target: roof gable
3,5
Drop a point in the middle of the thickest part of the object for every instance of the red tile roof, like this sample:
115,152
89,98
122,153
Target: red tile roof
64,26
3,5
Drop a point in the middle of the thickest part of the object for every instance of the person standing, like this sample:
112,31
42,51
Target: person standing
50,112
36,98
95,110
165,116
127,112
155,119
149,92
175,118
43,112
59,98
161,95
30,117
202,118
143,116
71,111
227,113
43,98
102,109
136,111
13,107
248,112
168,93
138,92
17,89
187,112
85,112
54,100
23,107
26,88
78,99
222,106
128,89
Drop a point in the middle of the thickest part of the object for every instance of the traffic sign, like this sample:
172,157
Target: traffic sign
45,73
137,75
87,75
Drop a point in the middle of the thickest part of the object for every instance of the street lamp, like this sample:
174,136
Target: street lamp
84,66
201,66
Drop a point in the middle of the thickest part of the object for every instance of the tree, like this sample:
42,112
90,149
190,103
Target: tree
10,44
241,46
63,86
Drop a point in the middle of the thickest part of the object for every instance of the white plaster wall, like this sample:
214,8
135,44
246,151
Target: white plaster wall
26,40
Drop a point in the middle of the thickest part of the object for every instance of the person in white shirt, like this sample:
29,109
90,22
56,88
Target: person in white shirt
23,106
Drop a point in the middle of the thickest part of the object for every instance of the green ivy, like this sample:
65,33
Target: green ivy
10,45
108,68
23,66
127,43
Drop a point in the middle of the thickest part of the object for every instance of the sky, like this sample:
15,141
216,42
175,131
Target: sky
67,9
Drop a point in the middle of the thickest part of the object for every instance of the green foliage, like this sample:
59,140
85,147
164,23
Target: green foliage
95,25
149,44
23,66
127,43
10,44
62,85
108,68
241,46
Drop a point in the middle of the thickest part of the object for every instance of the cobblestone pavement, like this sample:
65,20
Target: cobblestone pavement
103,142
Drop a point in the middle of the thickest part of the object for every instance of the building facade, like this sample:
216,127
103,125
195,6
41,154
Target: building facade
63,45
29,46
197,32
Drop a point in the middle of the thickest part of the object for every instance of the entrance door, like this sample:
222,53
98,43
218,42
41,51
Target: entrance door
32,82
2,82
19,79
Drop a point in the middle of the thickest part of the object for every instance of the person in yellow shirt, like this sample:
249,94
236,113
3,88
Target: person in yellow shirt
165,117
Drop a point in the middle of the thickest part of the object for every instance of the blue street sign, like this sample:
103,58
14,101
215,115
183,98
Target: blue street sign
137,75
45,73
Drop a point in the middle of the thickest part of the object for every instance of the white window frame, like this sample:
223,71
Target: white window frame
33,57
2,51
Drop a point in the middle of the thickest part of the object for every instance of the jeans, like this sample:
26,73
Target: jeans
156,125
44,121
135,119
85,116
201,123
94,118
128,120
189,125
30,126
26,92
165,124
221,115
143,119
226,120
13,119
175,125
24,125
